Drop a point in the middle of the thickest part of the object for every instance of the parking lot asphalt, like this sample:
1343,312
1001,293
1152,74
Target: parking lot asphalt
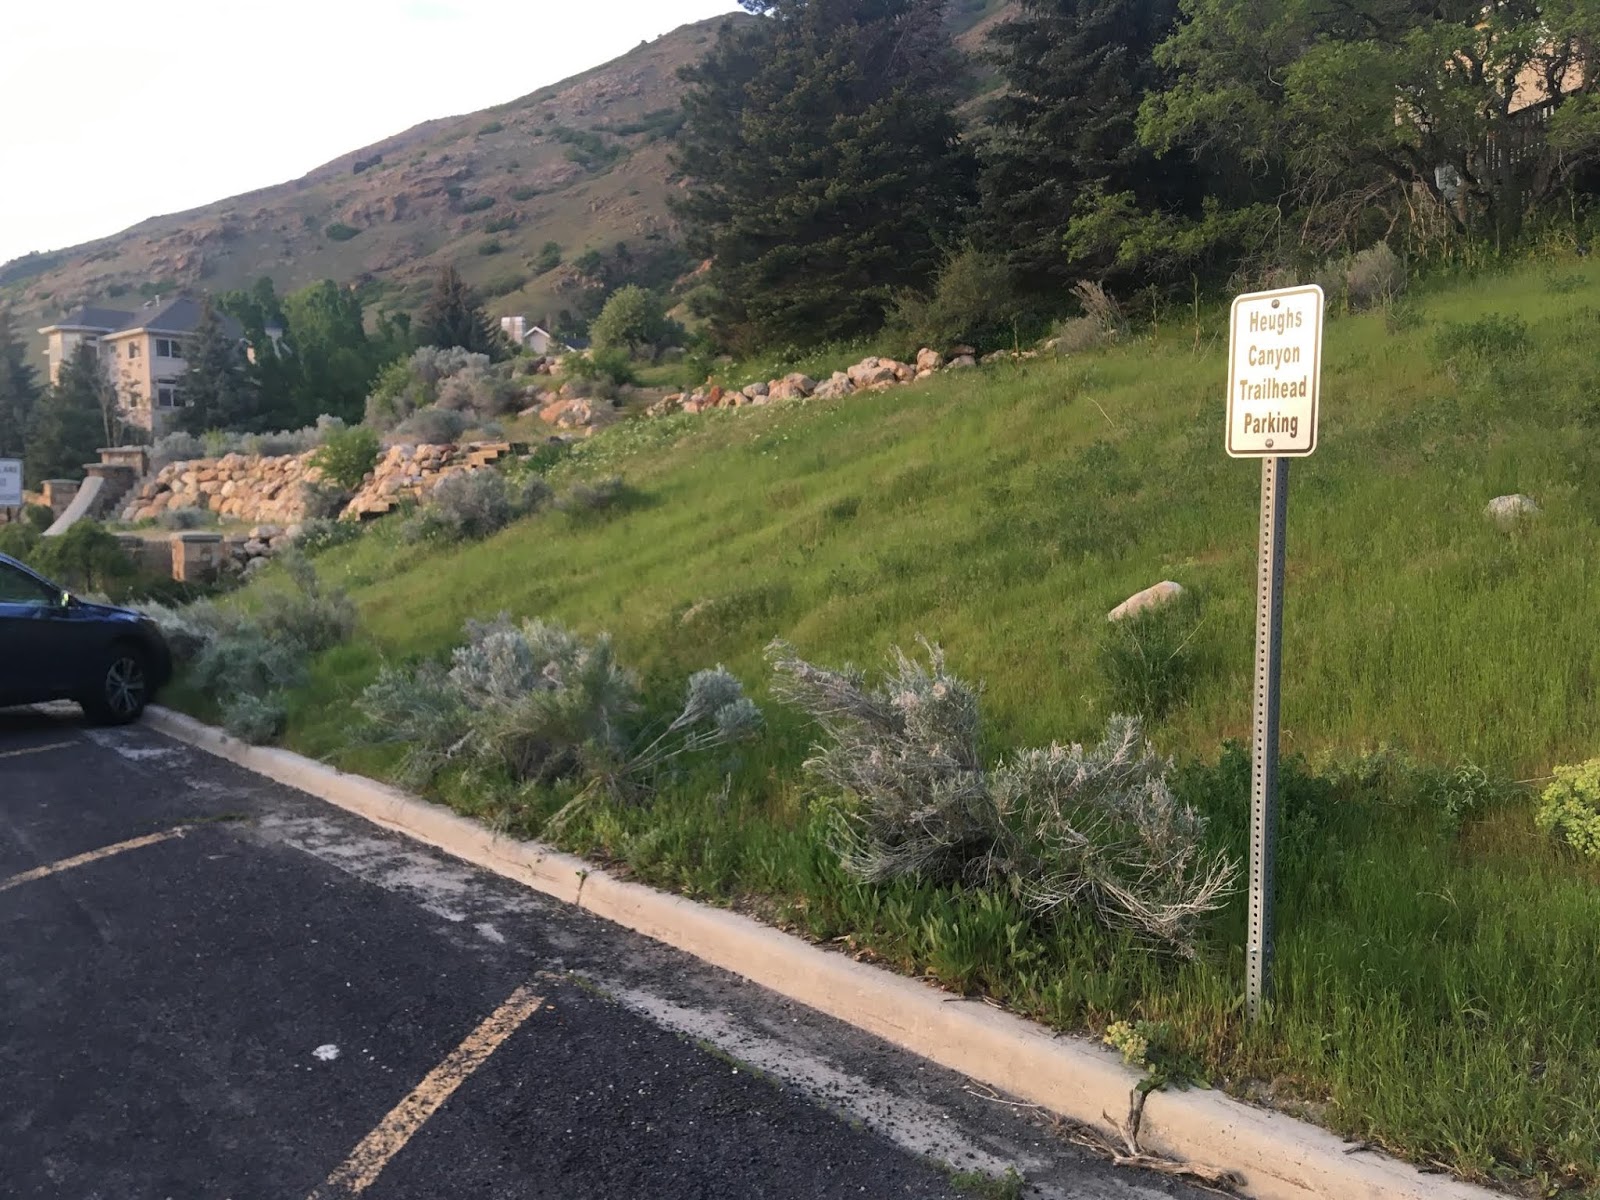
215,986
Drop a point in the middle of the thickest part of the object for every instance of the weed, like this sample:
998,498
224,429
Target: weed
989,1187
1149,657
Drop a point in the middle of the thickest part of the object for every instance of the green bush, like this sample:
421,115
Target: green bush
347,456
490,127
614,365
86,558
19,540
524,192
1570,807
501,224
1148,658
490,246
340,232
477,204
972,302
39,516
323,533
549,256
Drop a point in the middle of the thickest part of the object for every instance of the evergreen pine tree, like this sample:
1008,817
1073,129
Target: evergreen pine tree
19,390
68,425
453,317
217,392
1063,130
824,168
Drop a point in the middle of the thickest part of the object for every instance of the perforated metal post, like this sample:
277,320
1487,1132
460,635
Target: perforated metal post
1264,729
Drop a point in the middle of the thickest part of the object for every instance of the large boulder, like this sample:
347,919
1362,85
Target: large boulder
794,386
838,385
961,361
870,371
929,360
1154,596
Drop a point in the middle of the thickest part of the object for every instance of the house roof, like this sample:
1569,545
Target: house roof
181,314
90,317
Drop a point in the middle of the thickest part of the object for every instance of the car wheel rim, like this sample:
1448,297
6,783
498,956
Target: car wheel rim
125,687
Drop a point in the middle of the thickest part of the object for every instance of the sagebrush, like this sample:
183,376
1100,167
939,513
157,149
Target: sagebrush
534,702
1094,829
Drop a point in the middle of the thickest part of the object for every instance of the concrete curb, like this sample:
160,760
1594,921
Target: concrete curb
1280,1158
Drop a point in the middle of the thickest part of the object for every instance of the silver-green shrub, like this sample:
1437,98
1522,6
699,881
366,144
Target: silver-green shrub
1094,829
470,505
242,658
535,702
431,426
452,379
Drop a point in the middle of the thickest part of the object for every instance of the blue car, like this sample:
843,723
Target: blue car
54,646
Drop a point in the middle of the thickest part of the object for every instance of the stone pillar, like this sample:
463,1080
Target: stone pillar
135,457
59,493
197,556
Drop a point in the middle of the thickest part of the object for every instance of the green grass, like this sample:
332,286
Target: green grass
1436,982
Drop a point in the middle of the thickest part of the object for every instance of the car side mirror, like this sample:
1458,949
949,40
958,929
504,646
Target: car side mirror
66,600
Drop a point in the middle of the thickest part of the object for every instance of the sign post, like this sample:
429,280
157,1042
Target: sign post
10,483
1274,381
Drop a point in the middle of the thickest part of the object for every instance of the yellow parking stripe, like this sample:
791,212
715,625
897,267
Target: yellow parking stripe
357,1173
81,860
35,749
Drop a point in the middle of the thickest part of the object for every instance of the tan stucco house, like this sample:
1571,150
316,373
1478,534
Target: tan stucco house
142,351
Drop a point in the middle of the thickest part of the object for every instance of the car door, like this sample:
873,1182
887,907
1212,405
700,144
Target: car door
29,637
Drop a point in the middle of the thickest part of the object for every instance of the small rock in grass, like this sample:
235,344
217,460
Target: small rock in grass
1153,596
1508,510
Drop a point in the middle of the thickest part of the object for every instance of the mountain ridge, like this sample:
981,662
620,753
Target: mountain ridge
580,165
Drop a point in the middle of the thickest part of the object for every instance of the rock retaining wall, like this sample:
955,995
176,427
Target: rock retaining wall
273,490
871,374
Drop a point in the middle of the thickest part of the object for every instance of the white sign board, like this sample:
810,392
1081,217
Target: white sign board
10,483
1275,373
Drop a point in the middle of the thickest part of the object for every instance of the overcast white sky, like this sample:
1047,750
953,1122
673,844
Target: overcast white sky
111,113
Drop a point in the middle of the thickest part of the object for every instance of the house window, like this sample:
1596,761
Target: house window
168,348
168,396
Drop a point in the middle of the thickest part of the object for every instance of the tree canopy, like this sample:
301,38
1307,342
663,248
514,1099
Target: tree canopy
453,317
19,390
824,166
68,424
216,389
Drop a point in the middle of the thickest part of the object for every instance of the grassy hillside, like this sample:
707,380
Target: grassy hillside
1003,513
1436,975
582,163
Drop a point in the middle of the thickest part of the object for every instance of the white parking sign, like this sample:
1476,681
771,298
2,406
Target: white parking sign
10,483
1275,373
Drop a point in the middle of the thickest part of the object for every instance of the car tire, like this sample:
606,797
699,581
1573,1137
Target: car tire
121,687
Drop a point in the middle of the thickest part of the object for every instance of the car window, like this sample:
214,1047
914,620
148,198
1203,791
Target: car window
17,587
